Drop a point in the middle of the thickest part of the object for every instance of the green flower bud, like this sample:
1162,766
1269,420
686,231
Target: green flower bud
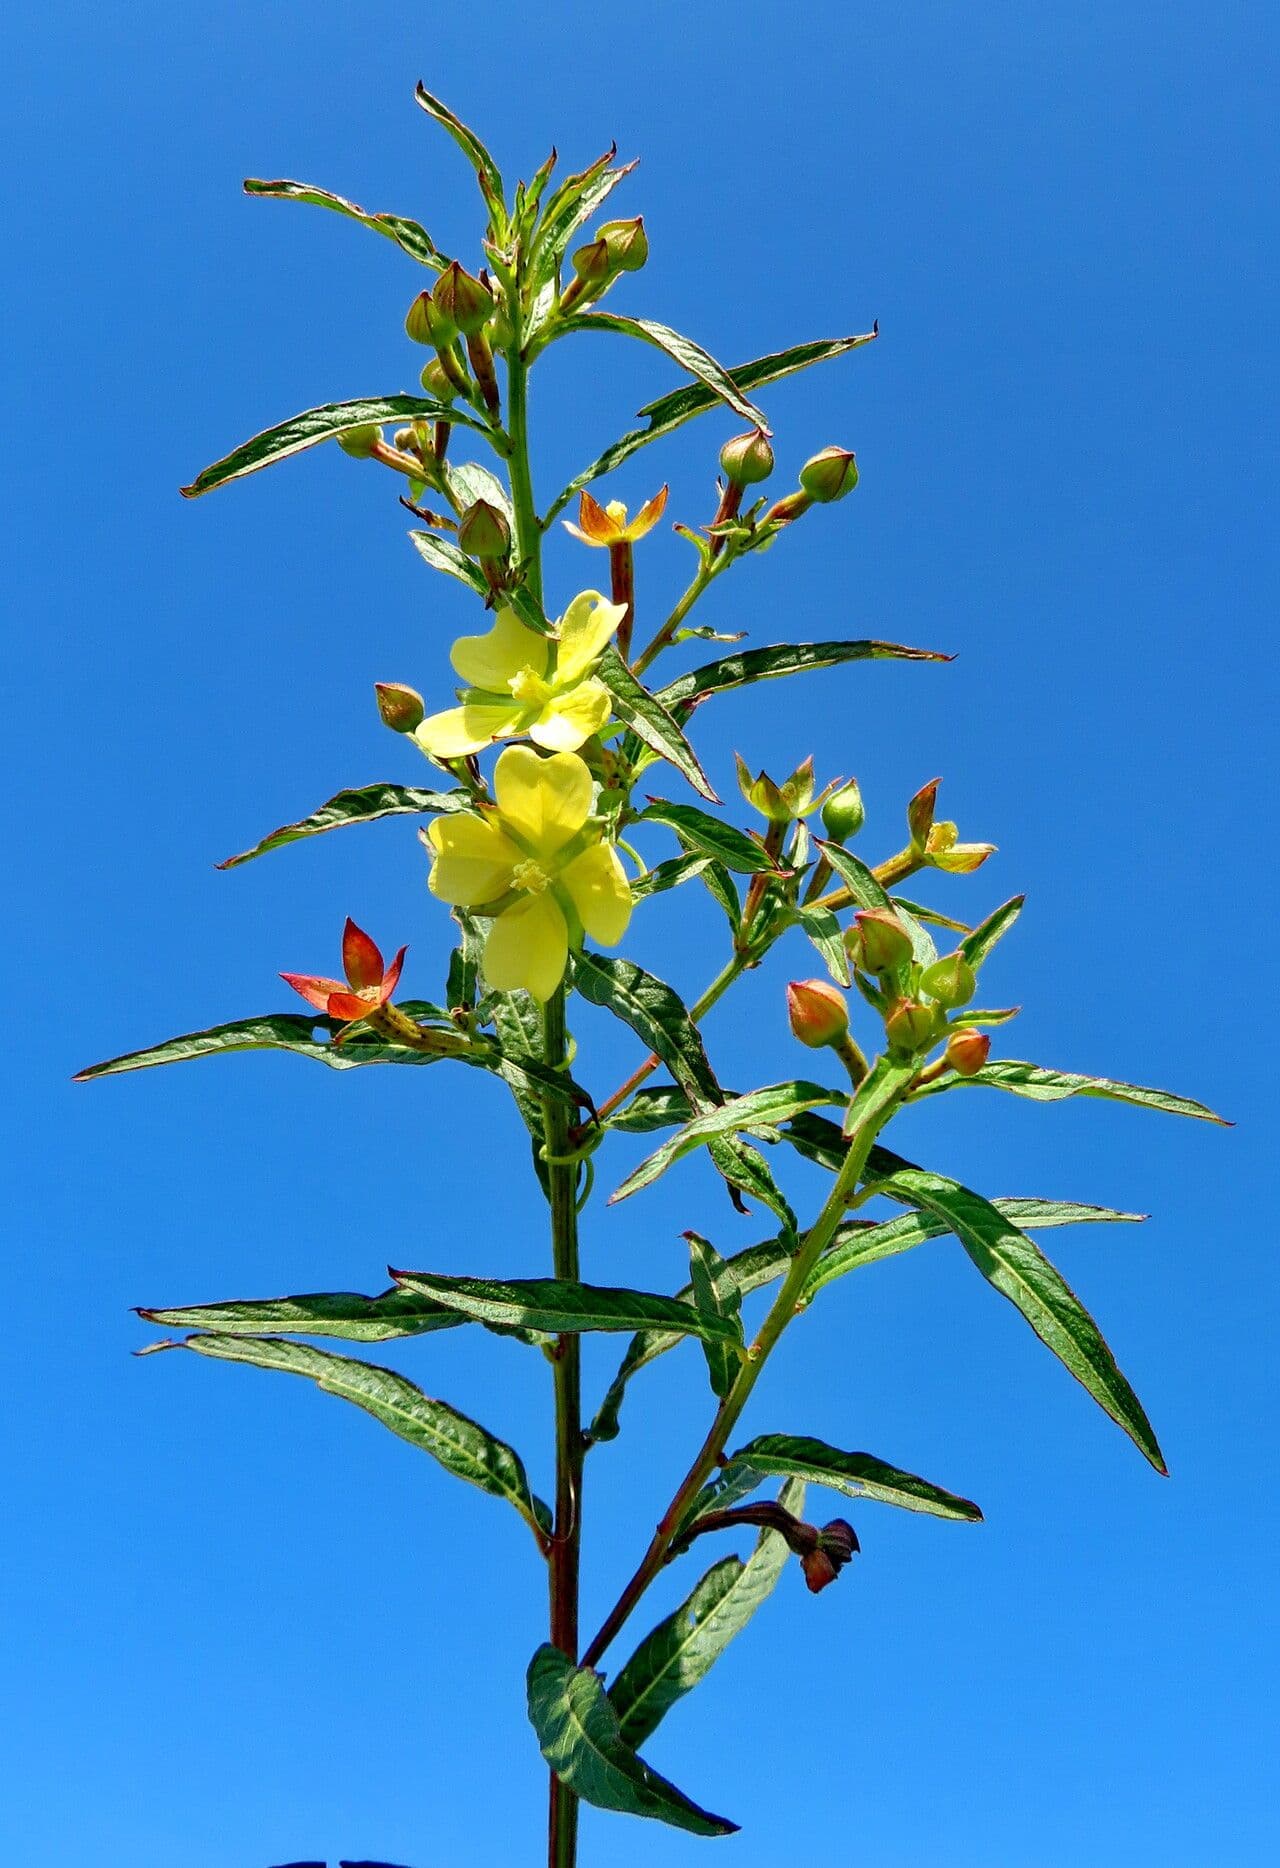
842,814
817,1012
911,1027
483,531
747,459
967,1050
359,443
626,243
593,265
780,804
402,708
829,475
878,942
950,981
436,382
419,323
466,302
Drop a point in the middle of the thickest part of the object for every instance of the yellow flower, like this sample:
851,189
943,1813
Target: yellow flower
609,525
520,682
537,866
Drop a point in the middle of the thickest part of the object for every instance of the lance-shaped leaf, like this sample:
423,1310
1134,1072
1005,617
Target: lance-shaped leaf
744,1168
1054,1086
857,1475
315,425
649,720
681,1651
579,1737
487,172
977,944
681,350
931,916
362,805
671,411
1018,1269
572,204
654,1106
560,1306
767,1107
463,1447
862,883
824,931
772,663
443,555
861,1243
656,1014
472,481
668,875
698,830
346,1314
407,235
717,1299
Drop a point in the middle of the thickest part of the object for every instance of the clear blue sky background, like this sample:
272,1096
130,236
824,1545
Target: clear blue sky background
244,1626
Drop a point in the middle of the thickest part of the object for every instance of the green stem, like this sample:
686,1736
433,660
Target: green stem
528,529
871,1108
659,642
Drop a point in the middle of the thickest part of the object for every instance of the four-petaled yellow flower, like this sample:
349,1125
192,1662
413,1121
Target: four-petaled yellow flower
521,682
609,525
537,865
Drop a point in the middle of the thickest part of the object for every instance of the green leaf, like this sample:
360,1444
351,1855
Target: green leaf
671,411
681,350
346,1314
860,1243
1054,1086
407,235
315,425
857,1475
649,720
1017,1268
656,1014
487,172
930,916
737,1277
744,1168
681,1650
772,663
667,875
579,1737
460,1444
562,1307
361,806
722,889
866,890
472,481
823,929
778,1103
716,1299
654,1106
977,944
443,555
706,834
572,204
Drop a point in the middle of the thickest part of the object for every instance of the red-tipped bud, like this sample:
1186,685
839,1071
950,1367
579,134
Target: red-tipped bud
911,1027
420,321
593,265
401,708
829,475
842,814
817,1012
920,813
835,1547
436,382
626,243
967,1051
483,531
465,302
950,981
878,942
747,459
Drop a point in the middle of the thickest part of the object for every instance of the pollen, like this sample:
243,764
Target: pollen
530,877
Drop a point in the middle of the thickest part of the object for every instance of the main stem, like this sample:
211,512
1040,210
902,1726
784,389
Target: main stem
872,1106
562,1195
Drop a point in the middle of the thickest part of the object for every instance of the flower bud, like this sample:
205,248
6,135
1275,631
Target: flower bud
359,443
466,302
911,1026
842,814
817,1012
436,382
829,475
627,244
483,531
835,1547
419,323
878,942
593,265
967,1050
950,981
402,708
747,459
780,804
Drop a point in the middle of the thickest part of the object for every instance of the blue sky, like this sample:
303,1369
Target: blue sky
243,1628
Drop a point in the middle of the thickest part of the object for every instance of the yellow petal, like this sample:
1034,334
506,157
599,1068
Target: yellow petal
545,801
494,660
474,861
568,720
585,631
527,947
598,887
467,729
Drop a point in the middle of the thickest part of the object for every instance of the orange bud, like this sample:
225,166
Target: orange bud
967,1050
817,1012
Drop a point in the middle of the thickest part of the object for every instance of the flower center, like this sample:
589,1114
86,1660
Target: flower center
531,877
529,688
